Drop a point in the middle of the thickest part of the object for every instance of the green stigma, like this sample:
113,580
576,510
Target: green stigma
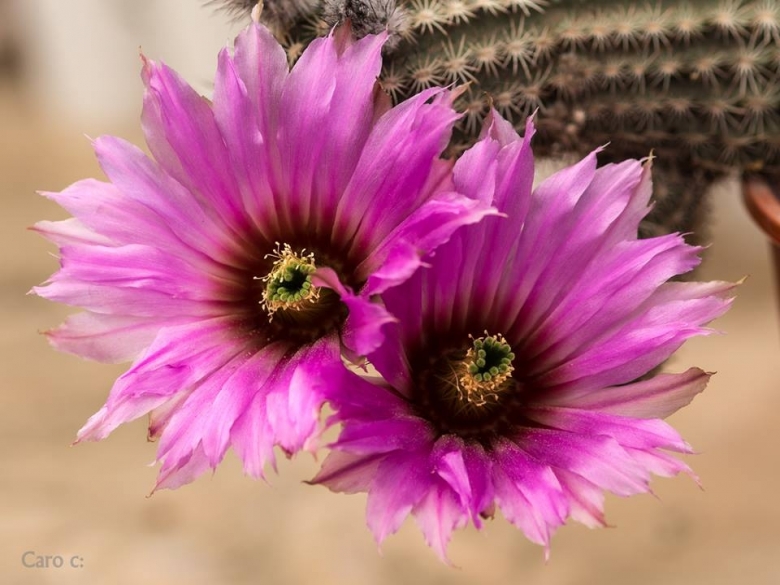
487,365
289,284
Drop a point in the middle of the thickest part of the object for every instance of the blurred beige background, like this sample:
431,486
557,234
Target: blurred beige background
71,68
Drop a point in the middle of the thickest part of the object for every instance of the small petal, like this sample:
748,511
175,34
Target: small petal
629,432
176,121
69,232
186,470
528,493
438,514
402,480
656,397
586,500
347,472
106,338
363,330
391,177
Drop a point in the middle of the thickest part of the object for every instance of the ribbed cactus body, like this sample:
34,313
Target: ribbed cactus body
695,81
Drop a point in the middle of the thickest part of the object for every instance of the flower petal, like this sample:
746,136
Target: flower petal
402,480
609,291
184,138
262,64
69,232
173,218
426,229
392,176
123,301
467,469
210,412
362,333
629,432
186,471
252,150
347,472
656,397
657,328
295,398
179,357
106,338
586,500
203,419
383,436
528,493
437,514
103,208
326,115
599,459
138,267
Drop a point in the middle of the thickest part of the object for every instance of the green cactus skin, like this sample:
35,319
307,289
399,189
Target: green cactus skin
697,82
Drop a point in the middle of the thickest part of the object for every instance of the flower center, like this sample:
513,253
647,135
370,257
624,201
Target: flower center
288,284
471,391
484,370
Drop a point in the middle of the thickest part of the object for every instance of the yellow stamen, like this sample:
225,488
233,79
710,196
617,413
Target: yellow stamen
482,373
288,284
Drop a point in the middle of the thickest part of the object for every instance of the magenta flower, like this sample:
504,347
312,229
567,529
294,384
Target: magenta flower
511,374
237,264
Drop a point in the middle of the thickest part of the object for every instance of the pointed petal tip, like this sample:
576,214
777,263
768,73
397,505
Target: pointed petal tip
444,558
94,429
90,435
146,67
259,477
458,90
255,13
695,478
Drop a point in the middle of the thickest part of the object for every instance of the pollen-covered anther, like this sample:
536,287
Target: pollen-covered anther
483,373
288,284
